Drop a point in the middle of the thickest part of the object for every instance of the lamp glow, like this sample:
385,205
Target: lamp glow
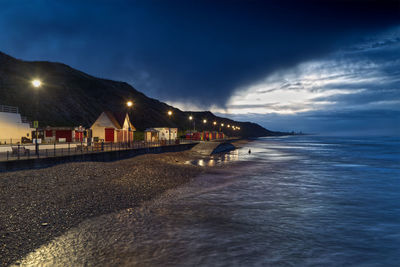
129,103
36,83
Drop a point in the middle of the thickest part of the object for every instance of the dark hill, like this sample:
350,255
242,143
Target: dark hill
69,97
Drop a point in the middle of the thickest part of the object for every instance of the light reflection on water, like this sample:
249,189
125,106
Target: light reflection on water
217,159
281,205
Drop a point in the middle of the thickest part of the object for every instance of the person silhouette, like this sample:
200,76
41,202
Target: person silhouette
249,151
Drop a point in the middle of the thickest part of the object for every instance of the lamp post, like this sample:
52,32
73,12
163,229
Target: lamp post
169,128
214,129
129,104
36,84
194,125
204,134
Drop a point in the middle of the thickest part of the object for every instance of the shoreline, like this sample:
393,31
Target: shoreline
40,204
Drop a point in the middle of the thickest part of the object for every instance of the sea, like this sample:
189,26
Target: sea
293,201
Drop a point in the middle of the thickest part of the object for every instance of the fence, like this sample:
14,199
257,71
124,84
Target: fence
8,109
27,151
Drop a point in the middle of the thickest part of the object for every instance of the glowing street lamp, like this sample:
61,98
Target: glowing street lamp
222,125
194,122
129,104
228,126
215,123
169,128
36,83
204,121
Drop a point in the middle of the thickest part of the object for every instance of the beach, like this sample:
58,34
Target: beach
41,204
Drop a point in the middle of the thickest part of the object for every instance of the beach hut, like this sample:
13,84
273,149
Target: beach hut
58,134
160,134
151,135
206,136
113,127
197,136
79,134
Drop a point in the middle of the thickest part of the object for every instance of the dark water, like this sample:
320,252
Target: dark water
295,201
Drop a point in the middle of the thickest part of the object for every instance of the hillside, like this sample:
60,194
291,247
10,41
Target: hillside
69,97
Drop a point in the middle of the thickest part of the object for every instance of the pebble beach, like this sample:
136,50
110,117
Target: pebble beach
39,205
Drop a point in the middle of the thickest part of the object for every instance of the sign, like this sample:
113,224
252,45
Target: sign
35,124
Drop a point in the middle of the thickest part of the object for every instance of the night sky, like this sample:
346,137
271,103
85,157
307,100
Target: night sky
330,67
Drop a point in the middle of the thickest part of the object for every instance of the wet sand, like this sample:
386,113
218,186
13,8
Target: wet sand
38,205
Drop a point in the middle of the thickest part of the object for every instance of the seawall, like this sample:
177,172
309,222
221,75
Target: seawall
35,163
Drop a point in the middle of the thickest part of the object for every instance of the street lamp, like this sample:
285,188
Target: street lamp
169,128
129,104
194,122
204,121
36,83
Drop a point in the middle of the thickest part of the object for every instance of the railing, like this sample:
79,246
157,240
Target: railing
25,120
8,109
27,151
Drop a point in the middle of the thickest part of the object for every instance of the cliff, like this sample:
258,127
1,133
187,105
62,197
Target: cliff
69,97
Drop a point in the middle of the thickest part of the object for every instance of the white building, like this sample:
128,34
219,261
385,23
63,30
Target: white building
12,129
160,133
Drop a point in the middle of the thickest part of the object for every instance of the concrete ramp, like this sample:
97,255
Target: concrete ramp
209,148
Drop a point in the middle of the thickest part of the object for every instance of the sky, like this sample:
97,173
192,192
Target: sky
329,67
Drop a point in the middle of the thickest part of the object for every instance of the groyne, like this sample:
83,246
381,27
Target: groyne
209,148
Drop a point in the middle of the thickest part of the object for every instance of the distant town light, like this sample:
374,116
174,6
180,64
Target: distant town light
36,83
215,123
228,126
190,118
204,121
129,103
222,124
169,112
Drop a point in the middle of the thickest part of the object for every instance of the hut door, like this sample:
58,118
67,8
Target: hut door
109,134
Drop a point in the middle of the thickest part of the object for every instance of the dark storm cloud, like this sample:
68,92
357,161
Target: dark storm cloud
199,51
